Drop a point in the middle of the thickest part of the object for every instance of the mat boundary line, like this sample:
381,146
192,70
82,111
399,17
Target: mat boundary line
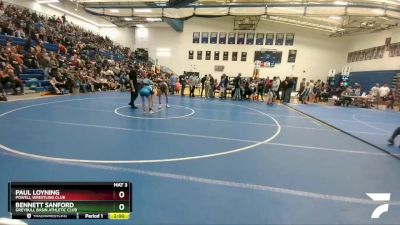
345,132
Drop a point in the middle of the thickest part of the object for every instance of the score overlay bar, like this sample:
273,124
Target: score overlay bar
70,200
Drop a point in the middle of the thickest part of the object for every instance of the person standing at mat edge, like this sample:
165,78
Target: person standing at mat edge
394,135
134,85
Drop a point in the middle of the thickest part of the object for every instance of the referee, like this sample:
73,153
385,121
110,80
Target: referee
394,135
134,85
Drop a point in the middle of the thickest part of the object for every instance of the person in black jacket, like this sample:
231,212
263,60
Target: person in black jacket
289,89
134,86
202,84
182,80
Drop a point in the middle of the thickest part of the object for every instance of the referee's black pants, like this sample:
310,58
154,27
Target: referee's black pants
134,95
395,134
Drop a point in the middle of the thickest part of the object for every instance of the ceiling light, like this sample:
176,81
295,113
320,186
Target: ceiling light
47,1
378,11
154,19
340,3
79,17
114,10
139,26
335,17
163,54
142,10
163,49
128,19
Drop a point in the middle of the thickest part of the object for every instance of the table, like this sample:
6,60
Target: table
364,101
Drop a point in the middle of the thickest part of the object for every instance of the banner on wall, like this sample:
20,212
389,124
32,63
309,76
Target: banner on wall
376,53
289,39
355,56
231,38
222,37
250,39
208,55
346,70
234,56
366,52
219,68
243,56
204,37
213,37
225,56
370,53
360,55
191,52
349,55
387,42
216,55
381,51
292,56
398,49
279,38
199,55
196,37
269,38
260,39
392,50
240,38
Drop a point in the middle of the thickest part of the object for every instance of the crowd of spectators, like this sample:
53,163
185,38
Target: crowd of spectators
79,64
276,89
71,66
238,87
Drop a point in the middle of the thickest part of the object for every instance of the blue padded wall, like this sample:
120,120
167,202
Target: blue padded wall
368,79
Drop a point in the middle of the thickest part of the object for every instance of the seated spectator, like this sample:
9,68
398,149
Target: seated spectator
57,85
384,92
375,90
306,92
9,78
357,89
392,98
345,98
2,88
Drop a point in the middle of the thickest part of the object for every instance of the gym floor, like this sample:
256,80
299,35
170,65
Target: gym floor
205,161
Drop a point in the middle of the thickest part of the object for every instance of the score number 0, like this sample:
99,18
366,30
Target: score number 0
121,206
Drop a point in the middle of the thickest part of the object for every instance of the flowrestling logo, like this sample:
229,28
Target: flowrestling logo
384,198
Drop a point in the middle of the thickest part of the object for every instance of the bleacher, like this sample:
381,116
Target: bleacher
34,80
54,48
108,55
20,41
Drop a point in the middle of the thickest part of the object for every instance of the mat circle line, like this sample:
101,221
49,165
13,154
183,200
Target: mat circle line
155,118
72,160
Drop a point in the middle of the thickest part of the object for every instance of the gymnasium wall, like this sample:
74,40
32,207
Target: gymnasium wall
365,41
316,52
122,36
